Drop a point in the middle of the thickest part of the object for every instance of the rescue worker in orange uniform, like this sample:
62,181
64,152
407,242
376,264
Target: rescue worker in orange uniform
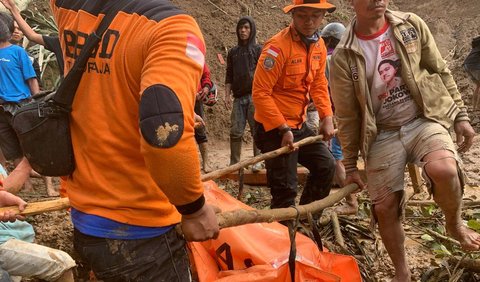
137,170
291,70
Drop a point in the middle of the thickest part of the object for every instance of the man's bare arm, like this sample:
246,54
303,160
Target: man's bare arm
22,24
33,85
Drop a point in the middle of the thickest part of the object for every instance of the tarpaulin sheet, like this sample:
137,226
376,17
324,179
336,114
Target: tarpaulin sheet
260,251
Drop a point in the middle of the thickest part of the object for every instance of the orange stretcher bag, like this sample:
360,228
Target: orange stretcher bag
260,252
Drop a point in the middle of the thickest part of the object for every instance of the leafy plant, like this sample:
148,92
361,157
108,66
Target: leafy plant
49,74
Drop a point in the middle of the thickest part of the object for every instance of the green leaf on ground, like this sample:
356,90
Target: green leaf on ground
427,238
474,224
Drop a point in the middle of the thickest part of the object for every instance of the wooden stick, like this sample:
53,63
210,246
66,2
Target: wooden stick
225,219
469,264
259,158
232,218
41,207
216,6
336,230
444,238
241,217
414,172
429,203
241,175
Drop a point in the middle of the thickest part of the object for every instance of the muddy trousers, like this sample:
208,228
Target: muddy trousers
162,258
200,132
282,170
242,113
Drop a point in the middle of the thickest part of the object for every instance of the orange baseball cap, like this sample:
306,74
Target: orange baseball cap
317,4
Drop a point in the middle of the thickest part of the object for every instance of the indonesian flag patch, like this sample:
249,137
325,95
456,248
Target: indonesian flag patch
272,50
195,49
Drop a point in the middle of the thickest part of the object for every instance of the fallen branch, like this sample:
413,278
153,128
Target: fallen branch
444,238
336,230
216,6
259,158
241,217
469,264
465,204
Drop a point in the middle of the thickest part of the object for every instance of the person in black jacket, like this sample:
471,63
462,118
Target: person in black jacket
241,63
472,67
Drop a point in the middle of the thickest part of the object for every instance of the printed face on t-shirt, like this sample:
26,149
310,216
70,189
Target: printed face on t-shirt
387,72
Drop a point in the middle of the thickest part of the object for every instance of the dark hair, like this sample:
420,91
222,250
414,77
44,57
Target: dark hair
242,22
396,64
8,21
5,33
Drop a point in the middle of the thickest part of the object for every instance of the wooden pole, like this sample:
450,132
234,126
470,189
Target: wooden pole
414,172
231,218
41,207
241,217
259,158
225,219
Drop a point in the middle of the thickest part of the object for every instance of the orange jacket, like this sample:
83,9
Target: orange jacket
118,174
285,79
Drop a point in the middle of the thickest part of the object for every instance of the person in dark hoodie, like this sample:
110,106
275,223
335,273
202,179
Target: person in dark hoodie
472,67
241,63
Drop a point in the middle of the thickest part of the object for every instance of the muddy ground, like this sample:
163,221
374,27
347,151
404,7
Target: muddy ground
452,23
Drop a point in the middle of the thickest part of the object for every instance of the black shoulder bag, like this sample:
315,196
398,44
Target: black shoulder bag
43,125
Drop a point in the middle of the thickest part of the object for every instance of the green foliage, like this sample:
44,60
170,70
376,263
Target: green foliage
427,238
250,198
429,210
474,224
440,250
44,25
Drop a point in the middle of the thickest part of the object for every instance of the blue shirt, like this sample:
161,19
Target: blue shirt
102,227
15,69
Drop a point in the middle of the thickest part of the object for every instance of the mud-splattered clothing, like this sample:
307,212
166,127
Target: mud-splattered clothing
132,121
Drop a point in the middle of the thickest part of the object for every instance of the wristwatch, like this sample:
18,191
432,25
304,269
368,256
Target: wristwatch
284,130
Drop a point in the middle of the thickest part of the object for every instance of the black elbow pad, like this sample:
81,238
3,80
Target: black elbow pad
161,116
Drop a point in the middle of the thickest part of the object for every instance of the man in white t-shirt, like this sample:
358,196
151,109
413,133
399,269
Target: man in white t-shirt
395,99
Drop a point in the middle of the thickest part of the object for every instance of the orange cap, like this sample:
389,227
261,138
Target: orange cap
318,4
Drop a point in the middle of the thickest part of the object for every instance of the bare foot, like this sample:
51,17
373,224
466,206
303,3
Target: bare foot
469,239
52,191
347,209
28,186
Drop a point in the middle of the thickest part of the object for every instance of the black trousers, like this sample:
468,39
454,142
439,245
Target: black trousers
162,258
282,170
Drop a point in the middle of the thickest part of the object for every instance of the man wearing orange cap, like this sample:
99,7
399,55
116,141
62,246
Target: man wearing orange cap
290,71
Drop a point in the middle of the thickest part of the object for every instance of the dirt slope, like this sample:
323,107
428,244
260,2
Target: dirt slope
452,23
